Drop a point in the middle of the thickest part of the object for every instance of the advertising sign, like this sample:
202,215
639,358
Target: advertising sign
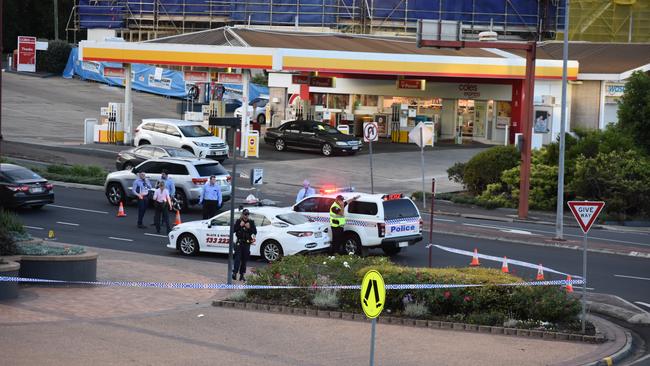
26,54
114,72
196,77
252,145
230,78
321,82
541,121
411,84
300,79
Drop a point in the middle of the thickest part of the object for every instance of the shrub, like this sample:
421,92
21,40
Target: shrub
55,58
416,310
85,174
238,296
622,180
326,299
7,243
486,167
456,172
10,222
634,109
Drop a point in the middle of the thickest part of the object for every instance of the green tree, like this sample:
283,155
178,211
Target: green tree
32,18
634,109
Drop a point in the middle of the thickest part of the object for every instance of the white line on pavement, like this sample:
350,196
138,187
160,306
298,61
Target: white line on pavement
633,277
513,231
642,303
67,223
34,227
122,239
156,235
80,209
444,220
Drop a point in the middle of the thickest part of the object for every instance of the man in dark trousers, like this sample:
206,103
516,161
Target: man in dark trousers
337,223
210,198
245,230
141,187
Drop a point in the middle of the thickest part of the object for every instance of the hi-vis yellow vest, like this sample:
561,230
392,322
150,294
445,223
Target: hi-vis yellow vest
335,219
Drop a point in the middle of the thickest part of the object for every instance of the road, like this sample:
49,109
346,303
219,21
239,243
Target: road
84,217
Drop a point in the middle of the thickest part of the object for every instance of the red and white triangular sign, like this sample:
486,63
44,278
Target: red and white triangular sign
586,212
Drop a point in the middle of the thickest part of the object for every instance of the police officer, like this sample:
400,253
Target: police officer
245,230
337,222
210,198
141,187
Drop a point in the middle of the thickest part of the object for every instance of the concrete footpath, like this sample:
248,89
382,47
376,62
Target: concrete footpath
110,326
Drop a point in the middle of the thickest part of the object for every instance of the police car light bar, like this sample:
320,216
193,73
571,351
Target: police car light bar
336,190
392,196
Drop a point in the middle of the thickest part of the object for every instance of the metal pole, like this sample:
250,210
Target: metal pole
232,205
433,197
424,203
1,62
584,281
372,342
372,180
244,116
559,214
56,20
128,106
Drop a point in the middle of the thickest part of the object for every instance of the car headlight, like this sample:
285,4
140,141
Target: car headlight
341,143
175,228
201,144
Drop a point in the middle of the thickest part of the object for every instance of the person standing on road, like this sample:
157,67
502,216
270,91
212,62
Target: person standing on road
210,198
162,202
141,187
306,191
169,182
337,222
245,230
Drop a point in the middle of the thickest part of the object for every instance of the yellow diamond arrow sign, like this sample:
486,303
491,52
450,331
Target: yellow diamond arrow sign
373,294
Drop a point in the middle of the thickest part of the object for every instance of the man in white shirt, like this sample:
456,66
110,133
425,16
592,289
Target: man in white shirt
305,192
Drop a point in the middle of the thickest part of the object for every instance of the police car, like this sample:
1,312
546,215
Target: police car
387,221
280,232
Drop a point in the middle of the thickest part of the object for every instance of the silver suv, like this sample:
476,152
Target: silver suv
189,176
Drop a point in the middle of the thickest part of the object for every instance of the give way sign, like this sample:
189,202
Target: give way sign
586,212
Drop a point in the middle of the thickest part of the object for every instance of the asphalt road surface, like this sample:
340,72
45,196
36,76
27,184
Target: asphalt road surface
84,217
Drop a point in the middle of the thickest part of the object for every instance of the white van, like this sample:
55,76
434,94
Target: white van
188,135
387,221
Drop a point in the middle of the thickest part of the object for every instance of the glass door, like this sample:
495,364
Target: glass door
479,131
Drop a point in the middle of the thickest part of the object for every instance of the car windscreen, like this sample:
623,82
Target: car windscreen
400,208
293,218
18,174
206,170
180,153
321,127
194,131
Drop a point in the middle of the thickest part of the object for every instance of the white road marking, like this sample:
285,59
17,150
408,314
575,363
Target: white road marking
67,223
34,227
513,231
642,303
444,220
79,209
157,235
122,239
633,277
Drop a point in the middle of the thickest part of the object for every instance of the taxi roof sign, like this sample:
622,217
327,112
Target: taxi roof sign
373,294
586,212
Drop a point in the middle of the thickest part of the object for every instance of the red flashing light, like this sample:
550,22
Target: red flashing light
392,196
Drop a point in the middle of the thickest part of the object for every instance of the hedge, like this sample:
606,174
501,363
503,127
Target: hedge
486,167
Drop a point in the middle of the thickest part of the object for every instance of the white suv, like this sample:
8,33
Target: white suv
191,136
390,221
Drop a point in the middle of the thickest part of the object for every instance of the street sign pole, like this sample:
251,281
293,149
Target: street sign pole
433,191
372,181
584,282
372,342
232,206
424,203
370,134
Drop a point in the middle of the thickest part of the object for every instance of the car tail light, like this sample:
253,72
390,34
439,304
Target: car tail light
421,225
381,229
228,179
300,234
199,181
18,188
49,186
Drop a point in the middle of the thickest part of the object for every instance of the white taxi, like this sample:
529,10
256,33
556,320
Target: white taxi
387,221
280,232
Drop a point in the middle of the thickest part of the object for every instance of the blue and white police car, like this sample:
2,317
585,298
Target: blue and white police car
387,221
280,232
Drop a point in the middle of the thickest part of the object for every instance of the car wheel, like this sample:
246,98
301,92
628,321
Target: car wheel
188,245
271,251
182,199
353,244
144,142
187,148
37,207
115,194
280,145
391,251
326,149
261,119
127,166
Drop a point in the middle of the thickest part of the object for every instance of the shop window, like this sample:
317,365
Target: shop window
338,101
365,100
318,99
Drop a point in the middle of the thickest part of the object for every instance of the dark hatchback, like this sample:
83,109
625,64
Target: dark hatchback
21,187
312,135
128,159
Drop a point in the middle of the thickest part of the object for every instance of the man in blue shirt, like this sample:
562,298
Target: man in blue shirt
305,192
169,183
141,188
210,198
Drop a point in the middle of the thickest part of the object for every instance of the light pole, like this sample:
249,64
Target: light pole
559,215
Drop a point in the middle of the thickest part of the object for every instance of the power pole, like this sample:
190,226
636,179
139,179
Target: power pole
559,215
56,19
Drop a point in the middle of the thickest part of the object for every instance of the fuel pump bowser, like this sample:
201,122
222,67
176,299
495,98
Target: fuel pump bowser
110,130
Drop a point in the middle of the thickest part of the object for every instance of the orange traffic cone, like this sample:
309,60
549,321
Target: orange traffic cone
569,287
178,218
474,262
120,211
504,266
540,273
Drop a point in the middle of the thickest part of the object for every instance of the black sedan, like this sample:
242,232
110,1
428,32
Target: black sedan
21,187
312,135
128,159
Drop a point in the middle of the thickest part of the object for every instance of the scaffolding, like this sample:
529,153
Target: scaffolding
609,20
144,19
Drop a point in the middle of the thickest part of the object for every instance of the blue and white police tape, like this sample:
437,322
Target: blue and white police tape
225,286
497,259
